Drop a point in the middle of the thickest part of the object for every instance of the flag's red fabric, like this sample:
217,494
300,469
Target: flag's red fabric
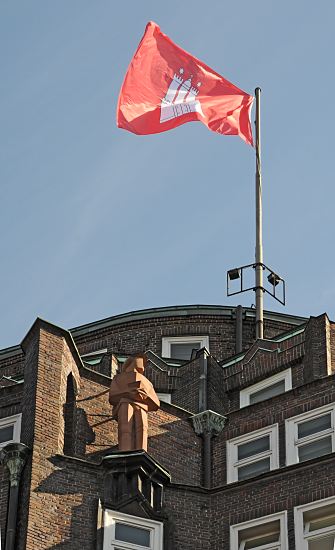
166,86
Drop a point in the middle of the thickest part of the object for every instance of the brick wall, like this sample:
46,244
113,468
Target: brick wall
187,393
273,493
217,397
62,501
191,516
4,493
148,333
48,362
11,365
59,495
266,413
332,345
317,361
173,443
10,404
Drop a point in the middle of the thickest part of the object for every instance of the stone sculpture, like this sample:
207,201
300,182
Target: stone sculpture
133,396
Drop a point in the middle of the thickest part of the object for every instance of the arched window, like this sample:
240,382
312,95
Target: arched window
69,416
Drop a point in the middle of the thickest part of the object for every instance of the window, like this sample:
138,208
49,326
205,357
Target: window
315,525
166,397
310,435
270,387
94,357
69,412
266,533
123,532
10,428
181,347
252,454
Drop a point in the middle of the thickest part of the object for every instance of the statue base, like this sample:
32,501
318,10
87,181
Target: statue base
134,477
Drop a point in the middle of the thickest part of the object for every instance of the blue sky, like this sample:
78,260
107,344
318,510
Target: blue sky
96,221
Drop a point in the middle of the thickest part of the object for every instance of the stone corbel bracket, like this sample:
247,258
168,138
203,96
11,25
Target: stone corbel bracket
208,423
14,456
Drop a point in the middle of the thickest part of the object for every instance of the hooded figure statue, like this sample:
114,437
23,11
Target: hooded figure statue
133,396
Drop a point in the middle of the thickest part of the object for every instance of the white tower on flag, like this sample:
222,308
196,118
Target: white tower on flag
180,99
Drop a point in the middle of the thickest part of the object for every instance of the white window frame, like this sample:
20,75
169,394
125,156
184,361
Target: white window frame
111,518
285,375
168,340
15,421
235,530
87,357
166,397
291,428
301,537
232,451
93,353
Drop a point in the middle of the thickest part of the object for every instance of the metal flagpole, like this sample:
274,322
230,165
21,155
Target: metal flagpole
237,274
259,220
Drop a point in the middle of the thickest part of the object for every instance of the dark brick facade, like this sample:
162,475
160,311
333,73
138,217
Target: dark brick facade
67,424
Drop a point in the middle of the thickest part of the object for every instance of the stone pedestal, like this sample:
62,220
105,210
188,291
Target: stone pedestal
134,480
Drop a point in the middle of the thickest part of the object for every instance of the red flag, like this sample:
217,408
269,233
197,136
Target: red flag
166,86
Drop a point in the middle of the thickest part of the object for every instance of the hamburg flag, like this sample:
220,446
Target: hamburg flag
165,86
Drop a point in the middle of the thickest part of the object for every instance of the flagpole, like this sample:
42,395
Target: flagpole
276,286
259,224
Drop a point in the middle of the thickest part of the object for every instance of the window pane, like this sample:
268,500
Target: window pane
260,534
260,541
254,469
6,434
316,448
183,351
315,425
266,393
135,535
322,543
253,447
320,517
322,523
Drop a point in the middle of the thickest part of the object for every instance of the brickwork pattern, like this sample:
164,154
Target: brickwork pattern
10,404
262,497
62,502
4,494
317,356
173,443
59,495
264,359
48,363
11,366
187,393
96,431
332,346
266,413
217,397
148,333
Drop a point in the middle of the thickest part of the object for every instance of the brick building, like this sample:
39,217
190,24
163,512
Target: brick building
241,452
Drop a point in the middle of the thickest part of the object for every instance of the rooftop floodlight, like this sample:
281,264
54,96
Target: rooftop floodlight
234,274
274,279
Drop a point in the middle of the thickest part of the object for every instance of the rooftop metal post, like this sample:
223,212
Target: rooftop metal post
259,220
260,269
203,382
239,329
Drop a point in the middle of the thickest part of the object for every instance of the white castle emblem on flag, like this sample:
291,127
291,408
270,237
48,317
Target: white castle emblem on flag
180,99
